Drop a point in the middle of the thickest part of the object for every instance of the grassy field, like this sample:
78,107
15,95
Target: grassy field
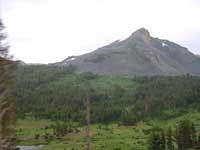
109,137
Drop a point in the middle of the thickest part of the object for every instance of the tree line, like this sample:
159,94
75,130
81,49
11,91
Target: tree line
183,137
56,93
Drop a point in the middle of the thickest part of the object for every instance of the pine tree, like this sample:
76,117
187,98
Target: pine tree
7,106
193,134
169,138
186,135
162,140
155,142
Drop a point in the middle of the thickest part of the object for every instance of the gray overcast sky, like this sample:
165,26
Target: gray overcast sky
44,31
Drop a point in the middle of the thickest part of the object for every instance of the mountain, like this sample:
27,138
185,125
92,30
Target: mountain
139,54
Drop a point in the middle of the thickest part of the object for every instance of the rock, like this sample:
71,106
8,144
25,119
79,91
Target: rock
30,147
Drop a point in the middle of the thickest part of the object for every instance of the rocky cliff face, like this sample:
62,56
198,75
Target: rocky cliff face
139,54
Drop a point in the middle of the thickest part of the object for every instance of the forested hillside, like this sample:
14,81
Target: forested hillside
58,93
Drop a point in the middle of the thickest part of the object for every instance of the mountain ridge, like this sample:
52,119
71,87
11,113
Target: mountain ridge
139,54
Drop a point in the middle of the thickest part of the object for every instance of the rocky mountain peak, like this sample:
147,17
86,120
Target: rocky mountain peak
141,32
139,54
141,35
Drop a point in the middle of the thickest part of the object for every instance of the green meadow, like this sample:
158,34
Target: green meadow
110,136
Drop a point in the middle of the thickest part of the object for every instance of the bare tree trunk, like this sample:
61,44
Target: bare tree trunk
11,127
88,122
2,114
1,135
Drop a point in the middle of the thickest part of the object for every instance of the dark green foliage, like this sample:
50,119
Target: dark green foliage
193,134
157,139
155,142
53,92
169,138
41,92
37,136
186,135
61,129
162,140
128,117
56,92
88,76
166,97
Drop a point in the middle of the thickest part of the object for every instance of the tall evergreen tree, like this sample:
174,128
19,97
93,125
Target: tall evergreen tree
169,138
193,134
185,135
7,106
162,140
155,142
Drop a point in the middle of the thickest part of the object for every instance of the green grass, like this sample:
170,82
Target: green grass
109,137
107,82
100,82
27,129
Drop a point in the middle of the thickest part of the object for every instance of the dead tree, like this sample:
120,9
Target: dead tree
87,121
88,90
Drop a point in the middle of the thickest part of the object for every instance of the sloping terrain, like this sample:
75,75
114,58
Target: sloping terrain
139,54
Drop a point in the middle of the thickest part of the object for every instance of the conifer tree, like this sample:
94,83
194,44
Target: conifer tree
186,135
162,140
169,138
193,134
7,106
155,142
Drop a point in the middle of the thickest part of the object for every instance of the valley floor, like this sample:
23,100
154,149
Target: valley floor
109,137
